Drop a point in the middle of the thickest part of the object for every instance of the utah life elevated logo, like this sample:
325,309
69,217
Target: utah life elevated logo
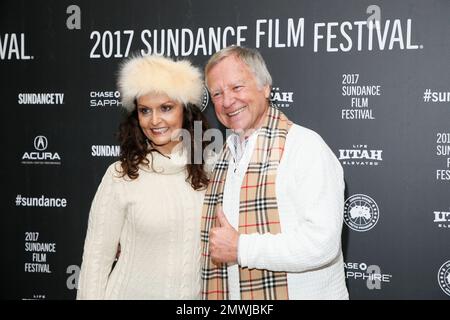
361,212
442,219
360,155
40,155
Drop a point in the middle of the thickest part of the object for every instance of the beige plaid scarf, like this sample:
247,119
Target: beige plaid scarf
258,212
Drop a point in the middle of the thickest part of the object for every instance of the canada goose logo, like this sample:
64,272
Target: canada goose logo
40,143
361,212
444,277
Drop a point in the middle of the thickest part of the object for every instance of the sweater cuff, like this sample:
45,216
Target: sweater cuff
242,254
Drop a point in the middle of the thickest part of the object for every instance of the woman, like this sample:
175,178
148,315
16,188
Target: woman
150,201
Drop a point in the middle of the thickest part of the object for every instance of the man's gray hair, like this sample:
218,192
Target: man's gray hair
251,57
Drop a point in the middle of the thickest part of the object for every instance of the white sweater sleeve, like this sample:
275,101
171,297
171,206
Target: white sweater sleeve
314,239
106,219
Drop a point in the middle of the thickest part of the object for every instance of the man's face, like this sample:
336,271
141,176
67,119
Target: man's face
239,102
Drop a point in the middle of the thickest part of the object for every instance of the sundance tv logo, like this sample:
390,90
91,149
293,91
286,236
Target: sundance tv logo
40,98
40,155
41,201
361,212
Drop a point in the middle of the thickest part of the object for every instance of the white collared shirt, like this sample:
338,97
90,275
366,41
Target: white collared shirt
241,152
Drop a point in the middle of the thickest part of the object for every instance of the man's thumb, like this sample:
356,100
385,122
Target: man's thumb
221,219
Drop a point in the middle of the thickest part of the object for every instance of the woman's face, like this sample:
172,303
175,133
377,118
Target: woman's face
160,118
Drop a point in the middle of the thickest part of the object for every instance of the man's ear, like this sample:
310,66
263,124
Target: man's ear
267,91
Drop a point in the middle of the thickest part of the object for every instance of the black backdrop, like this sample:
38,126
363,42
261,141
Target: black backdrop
378,93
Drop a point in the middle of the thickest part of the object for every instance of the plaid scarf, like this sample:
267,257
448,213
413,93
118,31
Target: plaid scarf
258,213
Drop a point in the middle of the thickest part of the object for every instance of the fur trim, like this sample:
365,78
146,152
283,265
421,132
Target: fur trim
180,80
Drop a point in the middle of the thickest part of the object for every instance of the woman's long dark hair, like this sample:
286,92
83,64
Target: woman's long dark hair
134,146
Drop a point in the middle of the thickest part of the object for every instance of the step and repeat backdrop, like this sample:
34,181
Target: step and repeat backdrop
371,77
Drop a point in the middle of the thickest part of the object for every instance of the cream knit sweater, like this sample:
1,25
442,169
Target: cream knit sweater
156,220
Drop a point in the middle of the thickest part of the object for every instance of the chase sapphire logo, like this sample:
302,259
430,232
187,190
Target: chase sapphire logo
361,212
40,143
444,277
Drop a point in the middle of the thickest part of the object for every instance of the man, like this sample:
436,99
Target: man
272,216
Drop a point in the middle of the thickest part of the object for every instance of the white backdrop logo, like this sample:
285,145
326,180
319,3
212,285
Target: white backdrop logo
41,201
361,212
40,156
361,96
40,143
435,96
205,40
38,251
104,99
371,274
443,154
40,98
360,155
105,151
283,99
442,219
444,277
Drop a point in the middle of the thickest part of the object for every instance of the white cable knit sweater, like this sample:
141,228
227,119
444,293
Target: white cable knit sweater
156,219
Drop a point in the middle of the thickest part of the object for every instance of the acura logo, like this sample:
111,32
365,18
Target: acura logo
40,143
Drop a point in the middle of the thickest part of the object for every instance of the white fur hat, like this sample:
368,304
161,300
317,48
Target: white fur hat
180,80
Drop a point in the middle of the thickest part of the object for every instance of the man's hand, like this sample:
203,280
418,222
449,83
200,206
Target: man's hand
223,241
